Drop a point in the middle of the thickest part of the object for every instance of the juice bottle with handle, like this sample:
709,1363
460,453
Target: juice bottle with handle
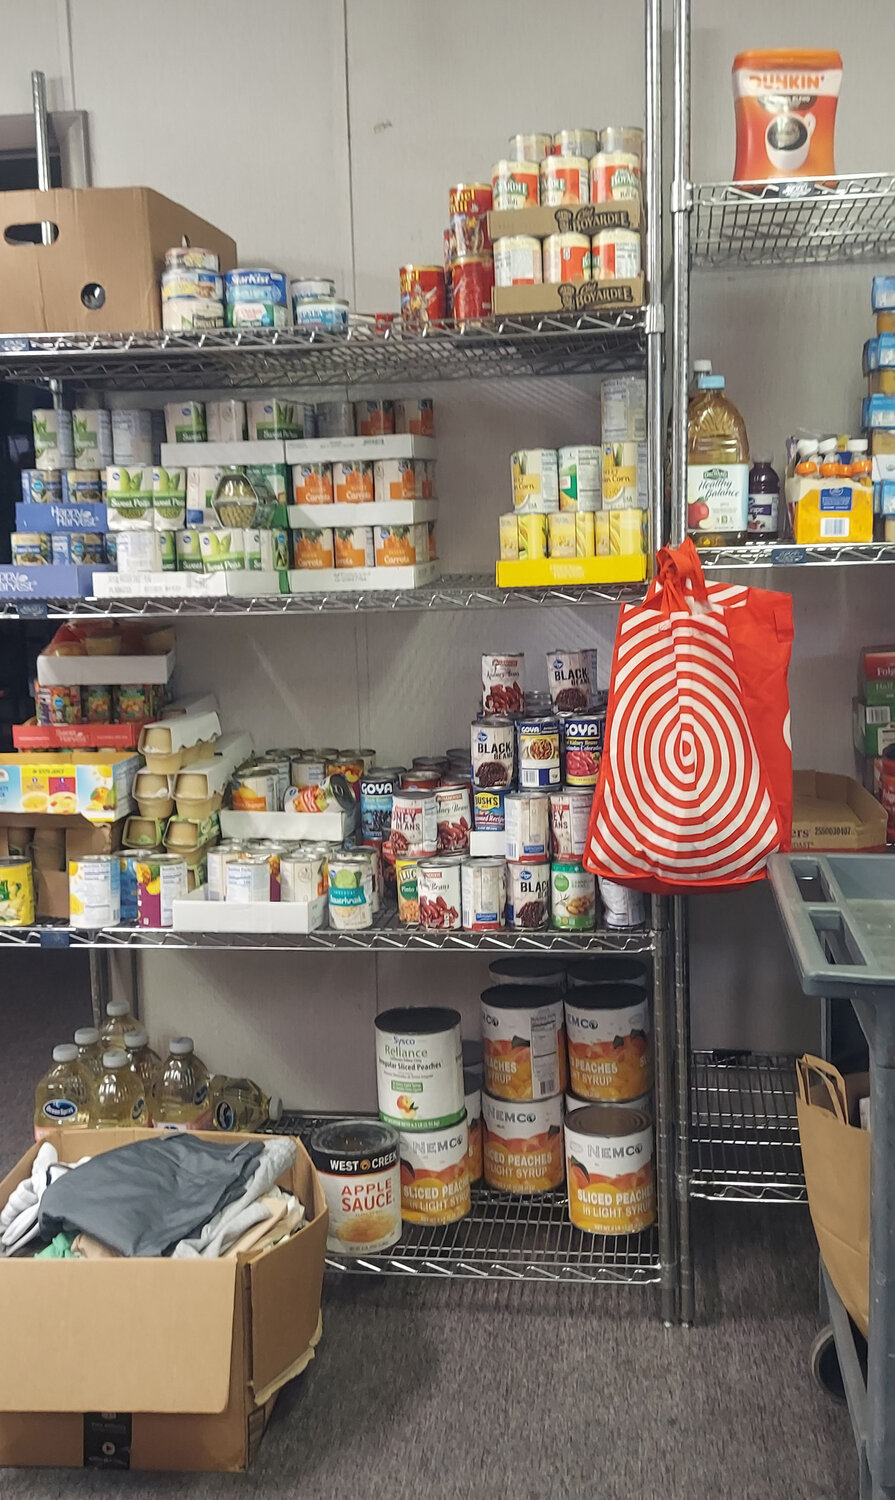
717,468
90,1050
239,1104
117,1023
146,1064
183,1100
120,1096
63,1100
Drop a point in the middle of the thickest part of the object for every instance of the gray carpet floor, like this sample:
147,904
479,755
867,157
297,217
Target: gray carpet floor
535,1392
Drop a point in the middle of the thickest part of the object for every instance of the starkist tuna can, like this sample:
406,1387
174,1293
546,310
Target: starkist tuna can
419,1067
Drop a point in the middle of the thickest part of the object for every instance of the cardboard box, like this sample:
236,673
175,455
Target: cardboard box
362,580
95,783
85,515
34,736
288,826
216,1340
113,239
572,218
50,580
245,585
541,572
194,913
874,727
835,812
578,296
51,841
876,674
88,671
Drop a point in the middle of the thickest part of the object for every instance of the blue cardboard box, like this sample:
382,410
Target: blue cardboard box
47,580
87,515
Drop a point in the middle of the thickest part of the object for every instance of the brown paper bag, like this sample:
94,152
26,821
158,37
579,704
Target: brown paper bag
836,1156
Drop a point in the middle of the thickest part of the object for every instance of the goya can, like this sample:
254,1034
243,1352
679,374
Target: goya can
419,1067
16,892
528,896
414,828
609,1166
569,816
564,179
358,1166
502,682
493,751
422,296
582,746
435,1175
438,891
522,1150
515,184
472,283
488,808
94,890
537,752
573,897
161,880
524,1042
483,887
608,1031
377,788
567,257
453,814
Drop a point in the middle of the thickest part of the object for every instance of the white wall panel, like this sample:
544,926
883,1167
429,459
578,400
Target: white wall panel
34,36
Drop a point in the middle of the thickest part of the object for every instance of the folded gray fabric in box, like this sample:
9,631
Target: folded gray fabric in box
143,1198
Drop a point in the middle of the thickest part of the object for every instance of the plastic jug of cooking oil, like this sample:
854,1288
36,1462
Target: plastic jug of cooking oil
239,1104
120,1095
117,1023
183,1100
63,1100
146,1064
90,1050
717,468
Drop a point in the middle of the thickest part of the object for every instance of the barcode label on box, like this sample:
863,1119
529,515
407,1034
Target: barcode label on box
833,526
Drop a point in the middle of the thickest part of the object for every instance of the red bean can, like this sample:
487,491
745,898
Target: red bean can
453,811
422,295
421,779
473,283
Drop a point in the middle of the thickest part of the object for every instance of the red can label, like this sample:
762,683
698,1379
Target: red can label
473,284
475,198
422,295
469,234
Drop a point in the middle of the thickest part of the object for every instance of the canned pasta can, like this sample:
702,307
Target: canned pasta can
576,142
529,147
518,261
515,184
616,254
564,179
567,257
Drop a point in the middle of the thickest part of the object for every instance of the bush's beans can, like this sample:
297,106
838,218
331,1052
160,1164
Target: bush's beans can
522,1149
515,184
472,280
439,891
493,752
576,142
609,1165
483,884
622,907
614,175
377,788
582,746
564,179
573,897
358,1166
488,808
422,296
518,261
537,752
502,683
529,147
568,677
528,896
454,815
569,816
419,1067
435,1175
616,254
527,820
414,823
567,257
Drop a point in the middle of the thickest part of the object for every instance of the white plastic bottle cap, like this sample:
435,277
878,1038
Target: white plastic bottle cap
65,1052
275,1108
181,1046
702,367
86,1036
806,446
117,1008
134,1040
116,1059
860,445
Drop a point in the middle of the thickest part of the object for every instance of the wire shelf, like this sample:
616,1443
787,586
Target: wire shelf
792,555
367,354
745,1131
806,221
504,1237
457,591
387,935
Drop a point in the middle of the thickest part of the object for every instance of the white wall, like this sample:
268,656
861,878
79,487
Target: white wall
313,179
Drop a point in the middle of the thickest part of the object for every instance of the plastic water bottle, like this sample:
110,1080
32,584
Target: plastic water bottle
120,1096
146,1064
239,1104
90,1050
118,1023
63,1100
183,1100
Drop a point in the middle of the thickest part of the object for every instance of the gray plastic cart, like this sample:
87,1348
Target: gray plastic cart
839,915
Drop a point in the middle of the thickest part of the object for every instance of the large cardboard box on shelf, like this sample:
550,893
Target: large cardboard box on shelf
570,218
569,297
206,1344
50,841
835,812
109,249
95,783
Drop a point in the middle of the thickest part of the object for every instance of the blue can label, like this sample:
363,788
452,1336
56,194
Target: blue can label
488,808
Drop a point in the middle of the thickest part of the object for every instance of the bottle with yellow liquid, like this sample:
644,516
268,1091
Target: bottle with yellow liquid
183,1098
717,468
63,1100
239,1104
120,1096
146,1064
117,1024
90,1050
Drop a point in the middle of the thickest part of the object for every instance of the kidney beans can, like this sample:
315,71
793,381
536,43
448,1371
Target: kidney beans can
573,897
419,1067
523,1038
454,816
527,822
609,1166
616,254
439,891
564,179
493,751
161,880
582,746
357,1162
489,808
537,752
414,828
435,1175
569,816
522,1145
483,883
608,1032
567,257
622,907
94,891
472,282
518,261
528,895
502,682
422,296
247,879
515,184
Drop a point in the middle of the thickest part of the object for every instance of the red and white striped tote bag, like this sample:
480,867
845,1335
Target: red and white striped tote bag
695,786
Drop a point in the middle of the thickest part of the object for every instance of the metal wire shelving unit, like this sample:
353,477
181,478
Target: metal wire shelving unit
811,222
744,1129
505,1237
791,555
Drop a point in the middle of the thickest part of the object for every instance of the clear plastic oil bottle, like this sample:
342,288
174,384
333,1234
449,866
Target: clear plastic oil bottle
183,1100
120,1096
118,1022
64,1098
239,1104
717,468
90,1050
146,1064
